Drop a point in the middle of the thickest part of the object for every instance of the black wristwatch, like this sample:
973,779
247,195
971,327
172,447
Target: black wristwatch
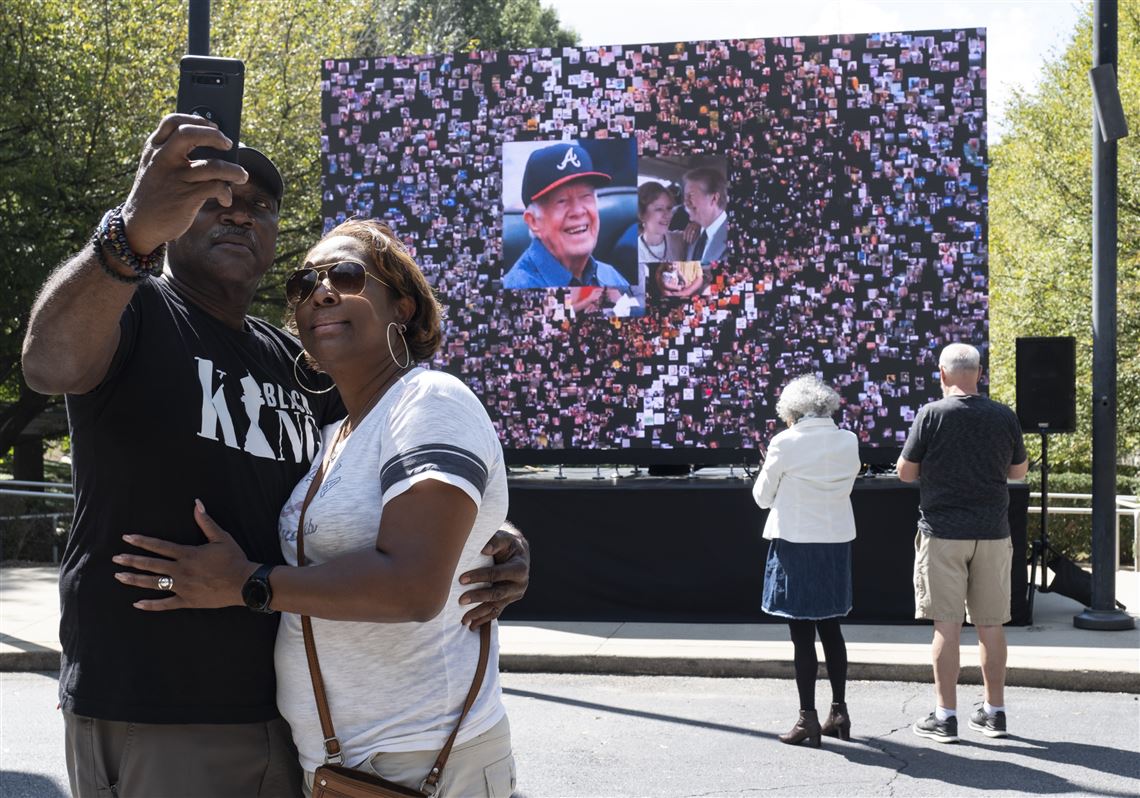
256,592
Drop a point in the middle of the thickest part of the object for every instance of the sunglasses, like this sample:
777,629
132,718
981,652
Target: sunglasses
346,277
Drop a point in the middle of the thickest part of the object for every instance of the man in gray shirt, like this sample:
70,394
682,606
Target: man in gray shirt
965,447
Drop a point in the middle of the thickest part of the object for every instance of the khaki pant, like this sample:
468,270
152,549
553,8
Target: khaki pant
482,767
955,575
116,759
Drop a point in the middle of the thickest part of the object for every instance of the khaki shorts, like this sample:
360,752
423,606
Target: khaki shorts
955,575
482,767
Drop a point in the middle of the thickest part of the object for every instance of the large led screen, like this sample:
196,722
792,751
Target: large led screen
638,245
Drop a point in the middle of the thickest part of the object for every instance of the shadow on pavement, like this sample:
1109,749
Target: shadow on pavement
941,763
15,784
637,713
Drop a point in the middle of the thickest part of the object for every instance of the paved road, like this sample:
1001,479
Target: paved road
668,737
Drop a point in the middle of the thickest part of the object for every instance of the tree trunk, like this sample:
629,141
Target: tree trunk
15,418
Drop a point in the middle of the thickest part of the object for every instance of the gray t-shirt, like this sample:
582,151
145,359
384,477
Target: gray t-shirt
966,445
394,686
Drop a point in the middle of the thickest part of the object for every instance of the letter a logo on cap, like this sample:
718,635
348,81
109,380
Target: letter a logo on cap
570,158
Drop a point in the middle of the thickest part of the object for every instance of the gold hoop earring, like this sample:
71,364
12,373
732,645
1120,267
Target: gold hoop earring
297,377
400,328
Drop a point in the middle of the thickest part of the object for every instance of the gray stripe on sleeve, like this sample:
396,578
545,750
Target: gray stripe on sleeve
435,457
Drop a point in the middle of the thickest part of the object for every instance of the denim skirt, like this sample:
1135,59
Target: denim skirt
807,581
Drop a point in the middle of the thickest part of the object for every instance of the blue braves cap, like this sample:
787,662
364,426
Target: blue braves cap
261,170
550,167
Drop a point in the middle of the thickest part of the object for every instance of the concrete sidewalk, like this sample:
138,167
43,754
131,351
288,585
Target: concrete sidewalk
1051,653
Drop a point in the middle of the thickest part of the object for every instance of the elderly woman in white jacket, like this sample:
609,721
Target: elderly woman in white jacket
806,481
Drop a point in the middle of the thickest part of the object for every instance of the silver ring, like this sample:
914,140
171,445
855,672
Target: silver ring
166,583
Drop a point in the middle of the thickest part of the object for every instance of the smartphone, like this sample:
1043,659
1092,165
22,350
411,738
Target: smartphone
212,88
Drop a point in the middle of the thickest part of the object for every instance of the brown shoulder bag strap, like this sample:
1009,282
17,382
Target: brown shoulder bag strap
333,754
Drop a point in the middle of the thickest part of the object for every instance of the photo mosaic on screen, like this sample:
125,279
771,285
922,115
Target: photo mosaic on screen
851,177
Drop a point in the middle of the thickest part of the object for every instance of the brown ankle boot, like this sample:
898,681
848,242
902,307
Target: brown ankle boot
806,728
838,723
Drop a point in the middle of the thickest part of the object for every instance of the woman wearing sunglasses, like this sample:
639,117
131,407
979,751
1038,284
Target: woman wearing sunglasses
413,485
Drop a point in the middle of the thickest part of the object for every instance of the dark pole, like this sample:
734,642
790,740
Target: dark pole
199,23
1044,542
1103,613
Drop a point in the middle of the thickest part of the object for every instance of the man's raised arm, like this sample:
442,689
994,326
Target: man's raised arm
73,330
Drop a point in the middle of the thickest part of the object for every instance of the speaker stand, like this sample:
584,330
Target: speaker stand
1040,547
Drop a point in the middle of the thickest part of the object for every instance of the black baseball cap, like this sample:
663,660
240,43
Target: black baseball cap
550,167
261,170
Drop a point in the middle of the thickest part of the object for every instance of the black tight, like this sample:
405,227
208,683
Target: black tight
807,664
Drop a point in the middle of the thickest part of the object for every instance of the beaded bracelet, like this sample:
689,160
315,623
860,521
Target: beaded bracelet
113,234
97,243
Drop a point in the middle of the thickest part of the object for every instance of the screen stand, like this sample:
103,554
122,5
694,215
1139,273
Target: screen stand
560,475
598,472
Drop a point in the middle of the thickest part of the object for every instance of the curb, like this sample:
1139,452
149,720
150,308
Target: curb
1073,680
710,667
43,659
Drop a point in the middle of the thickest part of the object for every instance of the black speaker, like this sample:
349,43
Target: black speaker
1047,384
1106,103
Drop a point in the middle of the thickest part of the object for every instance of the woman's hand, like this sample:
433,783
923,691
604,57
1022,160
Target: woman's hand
205,577
509,577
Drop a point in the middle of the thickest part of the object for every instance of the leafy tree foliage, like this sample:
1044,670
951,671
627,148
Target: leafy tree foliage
83,84
1041,232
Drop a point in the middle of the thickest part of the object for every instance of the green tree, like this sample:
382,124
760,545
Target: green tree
1041,232
78,80
84,83
430,26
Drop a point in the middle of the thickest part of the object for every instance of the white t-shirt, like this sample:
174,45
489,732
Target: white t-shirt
394,686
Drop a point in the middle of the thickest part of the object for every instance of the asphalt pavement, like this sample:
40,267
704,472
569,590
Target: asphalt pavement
628,709
592,736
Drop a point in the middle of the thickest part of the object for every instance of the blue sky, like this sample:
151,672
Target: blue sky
1021,33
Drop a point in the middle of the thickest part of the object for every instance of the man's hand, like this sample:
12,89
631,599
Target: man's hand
169,188
509,577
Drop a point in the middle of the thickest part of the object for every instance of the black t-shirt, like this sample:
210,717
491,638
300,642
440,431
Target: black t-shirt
966,445
190,409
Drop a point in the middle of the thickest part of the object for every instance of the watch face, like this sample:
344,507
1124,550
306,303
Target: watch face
255,593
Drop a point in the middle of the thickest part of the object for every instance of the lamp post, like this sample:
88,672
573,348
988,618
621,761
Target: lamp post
198,18
1103,614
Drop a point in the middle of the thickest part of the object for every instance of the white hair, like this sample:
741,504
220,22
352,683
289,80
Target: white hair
806,396
960,359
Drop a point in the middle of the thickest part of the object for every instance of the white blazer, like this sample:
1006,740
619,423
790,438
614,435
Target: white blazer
806,481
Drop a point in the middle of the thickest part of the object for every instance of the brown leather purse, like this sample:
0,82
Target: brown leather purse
333,779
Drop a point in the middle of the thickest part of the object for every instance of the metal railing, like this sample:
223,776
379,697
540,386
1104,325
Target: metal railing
1126,507
8,487
52,491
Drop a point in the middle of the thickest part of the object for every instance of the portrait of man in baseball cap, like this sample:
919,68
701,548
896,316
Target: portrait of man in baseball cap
560,204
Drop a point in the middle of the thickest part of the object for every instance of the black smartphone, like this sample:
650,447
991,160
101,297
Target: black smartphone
212,88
